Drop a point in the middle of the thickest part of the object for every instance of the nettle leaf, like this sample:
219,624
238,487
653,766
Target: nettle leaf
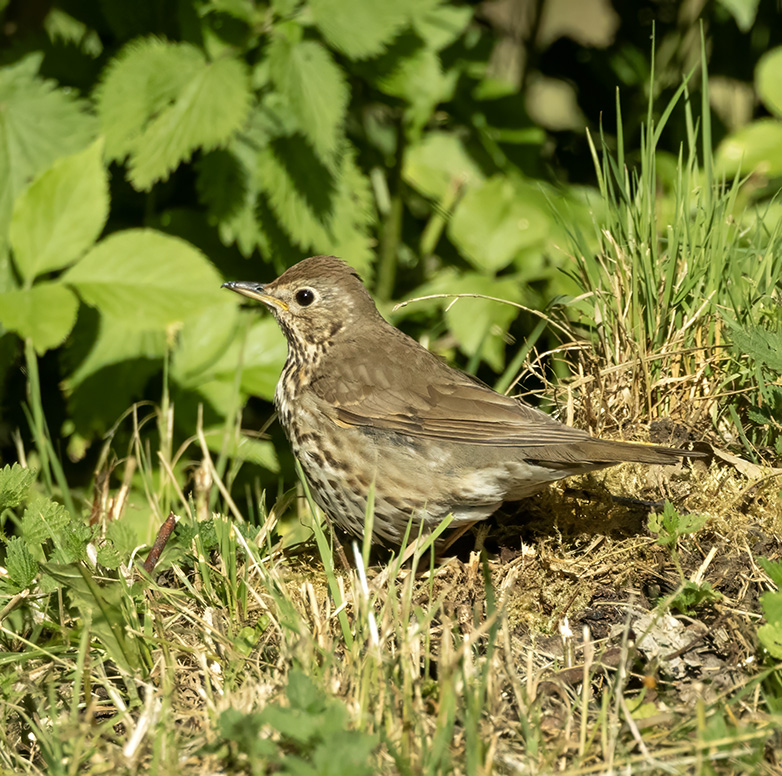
60,214
160,101
146,279
15,483
44,313
359,28
322,208
38,124
21,566
316,88
419,80
768,80
439,24
495,221
43,519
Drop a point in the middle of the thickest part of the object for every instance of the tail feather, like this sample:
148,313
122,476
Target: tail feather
596,453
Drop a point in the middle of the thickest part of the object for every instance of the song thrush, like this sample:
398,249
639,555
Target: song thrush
363,403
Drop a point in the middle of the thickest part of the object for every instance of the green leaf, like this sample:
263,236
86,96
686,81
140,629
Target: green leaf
419,80
159,102
44,313
438,163
38,124
21,566
768,80
43,519
477,324
113,343
743,11
60,214
146,279
439,24
315,87
359,28
495,221
15,483
770,634
260,355
203,339
756,147
255,451
772,567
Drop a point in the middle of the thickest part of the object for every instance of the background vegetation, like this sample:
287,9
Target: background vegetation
149,151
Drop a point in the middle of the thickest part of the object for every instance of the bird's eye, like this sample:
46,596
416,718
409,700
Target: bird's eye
305,297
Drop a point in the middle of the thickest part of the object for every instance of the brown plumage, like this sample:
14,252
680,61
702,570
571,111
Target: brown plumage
362,403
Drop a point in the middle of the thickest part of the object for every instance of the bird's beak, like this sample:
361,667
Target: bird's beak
255,291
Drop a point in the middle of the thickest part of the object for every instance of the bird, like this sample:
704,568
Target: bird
366,408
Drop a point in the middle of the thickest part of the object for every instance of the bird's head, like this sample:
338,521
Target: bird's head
314,301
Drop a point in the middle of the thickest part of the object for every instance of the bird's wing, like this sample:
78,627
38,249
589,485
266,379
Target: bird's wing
426,398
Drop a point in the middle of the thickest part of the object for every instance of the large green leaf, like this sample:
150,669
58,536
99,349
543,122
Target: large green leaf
359,28
439,163
160,101
754,148
260,355
495,221
203,339
768,79
315,87
114,343
146,279
60,214
45,313
38,124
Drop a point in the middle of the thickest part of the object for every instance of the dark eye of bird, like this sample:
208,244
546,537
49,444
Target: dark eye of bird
305,296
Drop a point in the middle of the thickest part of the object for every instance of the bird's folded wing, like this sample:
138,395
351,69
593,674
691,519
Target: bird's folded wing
458,412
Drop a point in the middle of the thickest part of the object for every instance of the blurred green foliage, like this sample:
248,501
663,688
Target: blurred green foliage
150,150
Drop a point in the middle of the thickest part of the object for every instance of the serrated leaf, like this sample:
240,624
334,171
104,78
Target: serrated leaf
439,24
43,519
335,215
146,279
159,102
419,80
109,557
359,28
60,214
496,220
21,566
45,313
15,483
773,568
768,80
315,87
38,124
